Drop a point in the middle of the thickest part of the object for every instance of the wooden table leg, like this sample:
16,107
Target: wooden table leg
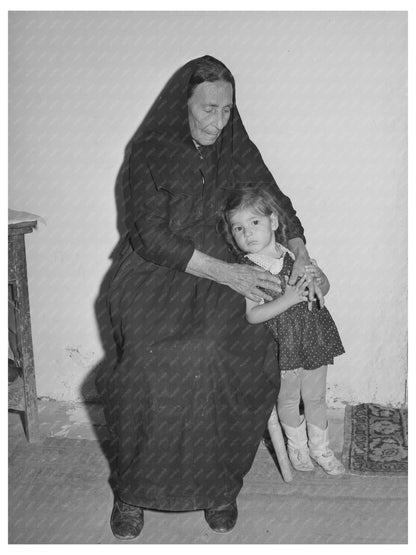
24,338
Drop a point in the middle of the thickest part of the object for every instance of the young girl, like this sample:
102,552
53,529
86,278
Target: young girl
306,337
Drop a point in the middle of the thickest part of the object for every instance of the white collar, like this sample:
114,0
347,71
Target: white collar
269,263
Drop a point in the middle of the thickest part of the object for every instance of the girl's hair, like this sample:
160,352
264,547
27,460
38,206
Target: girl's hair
209,69
262,200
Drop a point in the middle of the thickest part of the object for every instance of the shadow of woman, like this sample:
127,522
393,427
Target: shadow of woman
93,386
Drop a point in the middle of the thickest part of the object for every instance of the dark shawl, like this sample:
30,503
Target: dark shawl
164,150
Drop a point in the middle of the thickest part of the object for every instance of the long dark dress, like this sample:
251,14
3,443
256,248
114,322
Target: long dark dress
191,394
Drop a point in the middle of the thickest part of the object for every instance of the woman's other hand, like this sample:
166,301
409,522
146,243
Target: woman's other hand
302,261
320,281
314,271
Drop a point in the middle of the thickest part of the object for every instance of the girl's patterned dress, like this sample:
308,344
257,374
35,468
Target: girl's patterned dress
304,339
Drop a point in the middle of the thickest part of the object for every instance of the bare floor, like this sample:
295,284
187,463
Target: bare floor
59,494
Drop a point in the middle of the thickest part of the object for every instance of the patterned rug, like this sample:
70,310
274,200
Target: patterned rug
375,440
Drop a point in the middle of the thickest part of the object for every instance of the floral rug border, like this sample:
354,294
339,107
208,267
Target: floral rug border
375,440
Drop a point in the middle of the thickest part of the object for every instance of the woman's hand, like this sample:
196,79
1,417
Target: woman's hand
300,265
314,271
247,281
320,280
242,278
298,270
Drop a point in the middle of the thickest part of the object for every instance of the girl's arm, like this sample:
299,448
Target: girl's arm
294,294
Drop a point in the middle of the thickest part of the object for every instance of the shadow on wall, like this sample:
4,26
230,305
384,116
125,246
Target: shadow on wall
93,388
94,385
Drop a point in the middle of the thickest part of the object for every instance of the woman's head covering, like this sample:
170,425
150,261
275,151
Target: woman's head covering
168,116
239,163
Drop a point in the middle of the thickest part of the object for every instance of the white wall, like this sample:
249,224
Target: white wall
322,94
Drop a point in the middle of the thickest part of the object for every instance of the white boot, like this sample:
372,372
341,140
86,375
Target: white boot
297,443
318,450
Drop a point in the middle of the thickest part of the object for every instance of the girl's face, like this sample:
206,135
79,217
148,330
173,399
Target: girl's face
254,232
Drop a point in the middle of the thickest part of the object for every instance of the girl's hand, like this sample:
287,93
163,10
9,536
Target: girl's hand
247,281
298,293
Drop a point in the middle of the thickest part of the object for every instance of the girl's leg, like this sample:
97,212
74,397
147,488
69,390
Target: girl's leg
289,398
313,391
291,421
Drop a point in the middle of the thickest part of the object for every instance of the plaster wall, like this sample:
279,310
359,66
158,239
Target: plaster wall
322,94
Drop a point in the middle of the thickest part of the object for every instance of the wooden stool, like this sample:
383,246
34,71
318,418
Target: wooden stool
276,436
22,391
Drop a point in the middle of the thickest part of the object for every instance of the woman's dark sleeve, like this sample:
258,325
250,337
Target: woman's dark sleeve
259,172
147,216
294,227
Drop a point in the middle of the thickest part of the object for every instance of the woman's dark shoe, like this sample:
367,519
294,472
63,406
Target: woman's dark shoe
126,520
222,519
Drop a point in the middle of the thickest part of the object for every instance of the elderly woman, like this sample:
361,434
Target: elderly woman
194,384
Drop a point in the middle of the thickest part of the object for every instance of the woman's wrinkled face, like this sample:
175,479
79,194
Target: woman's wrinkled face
209,109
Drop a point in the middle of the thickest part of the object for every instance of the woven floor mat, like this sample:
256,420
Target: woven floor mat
375,440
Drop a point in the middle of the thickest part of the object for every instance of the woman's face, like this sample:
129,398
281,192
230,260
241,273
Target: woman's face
209,110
